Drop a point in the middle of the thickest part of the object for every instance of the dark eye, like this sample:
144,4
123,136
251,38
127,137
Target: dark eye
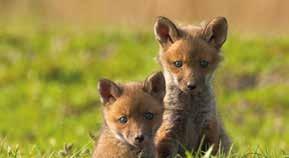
123,119
148,116
204,63
178,64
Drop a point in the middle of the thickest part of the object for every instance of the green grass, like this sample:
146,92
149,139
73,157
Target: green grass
49,102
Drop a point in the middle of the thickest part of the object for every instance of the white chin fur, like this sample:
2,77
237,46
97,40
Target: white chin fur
118,136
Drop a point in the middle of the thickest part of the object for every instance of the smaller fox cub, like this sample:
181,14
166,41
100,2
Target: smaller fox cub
132,115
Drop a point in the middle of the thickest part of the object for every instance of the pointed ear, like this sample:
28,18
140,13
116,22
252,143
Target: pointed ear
165,31
108,90
215,32
155,85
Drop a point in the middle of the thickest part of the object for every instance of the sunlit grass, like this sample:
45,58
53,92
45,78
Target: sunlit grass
49,101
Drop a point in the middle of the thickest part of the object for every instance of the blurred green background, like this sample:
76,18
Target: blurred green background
52,53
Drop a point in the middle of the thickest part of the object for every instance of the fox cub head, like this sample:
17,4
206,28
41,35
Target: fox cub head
133,112
190,54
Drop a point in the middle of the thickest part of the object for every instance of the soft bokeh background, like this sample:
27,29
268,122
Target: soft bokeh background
52,52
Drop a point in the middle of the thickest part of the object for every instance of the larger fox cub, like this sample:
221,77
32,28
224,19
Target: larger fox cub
189,55
132,115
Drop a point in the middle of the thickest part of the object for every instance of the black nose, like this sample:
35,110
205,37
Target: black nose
191,86
139,138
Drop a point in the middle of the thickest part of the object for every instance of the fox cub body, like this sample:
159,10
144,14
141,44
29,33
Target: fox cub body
132,115
189,55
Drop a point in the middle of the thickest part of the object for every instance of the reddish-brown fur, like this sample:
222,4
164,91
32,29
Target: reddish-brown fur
182,50
133,101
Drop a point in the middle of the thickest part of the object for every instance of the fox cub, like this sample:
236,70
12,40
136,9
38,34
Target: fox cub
132,114
189,56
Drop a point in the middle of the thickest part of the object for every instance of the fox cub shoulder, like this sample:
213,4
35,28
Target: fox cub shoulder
132,115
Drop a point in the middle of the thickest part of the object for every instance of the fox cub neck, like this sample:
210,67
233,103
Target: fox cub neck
132,115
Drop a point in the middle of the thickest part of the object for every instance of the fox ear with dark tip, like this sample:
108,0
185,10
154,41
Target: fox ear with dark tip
215,32
155,85
165,31
108,90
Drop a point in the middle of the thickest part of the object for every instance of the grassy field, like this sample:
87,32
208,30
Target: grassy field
49,105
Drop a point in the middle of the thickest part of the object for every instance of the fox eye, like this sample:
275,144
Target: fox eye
148,116
123,119
204,63
178,64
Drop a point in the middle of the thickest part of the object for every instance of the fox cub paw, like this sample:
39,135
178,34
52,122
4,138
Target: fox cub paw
166,151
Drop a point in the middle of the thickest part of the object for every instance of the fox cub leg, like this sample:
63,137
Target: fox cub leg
167,147
215,135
